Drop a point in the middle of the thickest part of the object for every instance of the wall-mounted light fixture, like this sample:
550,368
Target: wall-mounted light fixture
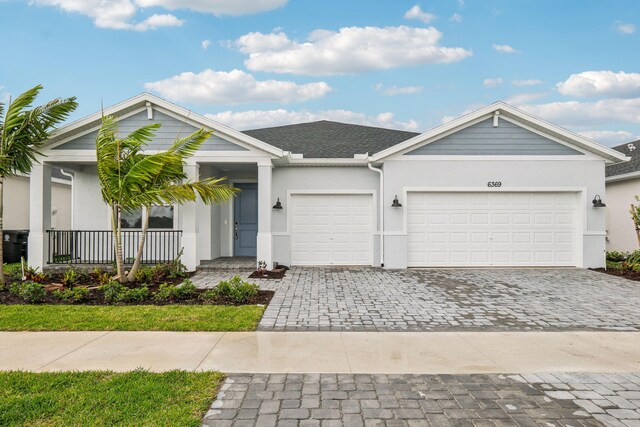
396,203
597,202
278,205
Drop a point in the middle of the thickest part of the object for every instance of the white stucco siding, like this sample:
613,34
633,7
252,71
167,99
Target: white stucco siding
584,177
288,181
621,235
90,211
16,204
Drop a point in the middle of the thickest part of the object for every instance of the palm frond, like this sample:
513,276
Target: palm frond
189,145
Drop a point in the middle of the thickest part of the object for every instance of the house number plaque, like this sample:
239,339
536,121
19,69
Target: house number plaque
494,184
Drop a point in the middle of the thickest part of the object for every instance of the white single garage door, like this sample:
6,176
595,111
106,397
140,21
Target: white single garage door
331,229
492,229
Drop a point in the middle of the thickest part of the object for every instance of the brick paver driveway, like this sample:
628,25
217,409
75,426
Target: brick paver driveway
325,400
373,299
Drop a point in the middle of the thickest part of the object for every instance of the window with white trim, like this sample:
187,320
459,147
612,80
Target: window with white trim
160,217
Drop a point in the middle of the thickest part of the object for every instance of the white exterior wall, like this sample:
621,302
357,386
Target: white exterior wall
621,235
16,204
584,176
90,212
289,180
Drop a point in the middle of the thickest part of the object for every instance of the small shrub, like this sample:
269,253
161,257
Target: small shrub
209,295
186,290
235,290
616,256
32,274
71,295
70,278
171,270
169,292
633,257
112,291
30,292
145,274
135,294
613,265
13,271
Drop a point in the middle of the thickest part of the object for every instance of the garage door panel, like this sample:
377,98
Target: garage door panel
331,229
467,229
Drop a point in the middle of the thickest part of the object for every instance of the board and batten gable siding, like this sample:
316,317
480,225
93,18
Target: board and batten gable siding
482,139
170,129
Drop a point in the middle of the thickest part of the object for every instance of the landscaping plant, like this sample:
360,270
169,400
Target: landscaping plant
132,180
23,130
235,289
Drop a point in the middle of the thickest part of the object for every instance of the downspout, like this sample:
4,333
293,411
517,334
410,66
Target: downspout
70,176
381,201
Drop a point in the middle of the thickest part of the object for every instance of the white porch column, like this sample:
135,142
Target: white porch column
190,223
39,214
264,249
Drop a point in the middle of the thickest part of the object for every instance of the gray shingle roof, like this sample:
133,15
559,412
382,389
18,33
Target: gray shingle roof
326,139
631,149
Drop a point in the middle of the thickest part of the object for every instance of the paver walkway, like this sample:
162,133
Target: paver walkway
427,400
373,299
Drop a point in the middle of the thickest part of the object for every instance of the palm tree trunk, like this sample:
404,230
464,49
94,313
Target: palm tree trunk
1,232
116,227
143,237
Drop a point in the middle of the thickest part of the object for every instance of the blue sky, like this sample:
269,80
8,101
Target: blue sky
401,64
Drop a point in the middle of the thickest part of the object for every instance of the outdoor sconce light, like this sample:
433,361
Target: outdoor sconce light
597,202
278,205
396,203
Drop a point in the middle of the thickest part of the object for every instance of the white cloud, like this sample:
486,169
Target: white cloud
528,82
121,14
607,83
234,87
205,44
456,17
492,82
609,137
349,50
217,7
417,13
503,48
254,119
574,113
623,28
113,14
396,90
523,98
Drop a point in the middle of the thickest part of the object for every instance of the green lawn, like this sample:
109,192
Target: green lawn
139,398
129,318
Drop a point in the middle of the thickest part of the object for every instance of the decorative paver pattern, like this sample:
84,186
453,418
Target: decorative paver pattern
374,299
576,400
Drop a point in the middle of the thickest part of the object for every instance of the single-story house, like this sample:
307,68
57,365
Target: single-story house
496,187
623,185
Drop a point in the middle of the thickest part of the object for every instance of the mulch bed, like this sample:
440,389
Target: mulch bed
96,297
627,274
276,273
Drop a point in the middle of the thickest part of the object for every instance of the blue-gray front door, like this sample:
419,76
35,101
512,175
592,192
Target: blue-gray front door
245,220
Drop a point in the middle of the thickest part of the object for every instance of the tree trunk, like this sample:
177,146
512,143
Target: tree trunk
116,227
2,280
143,237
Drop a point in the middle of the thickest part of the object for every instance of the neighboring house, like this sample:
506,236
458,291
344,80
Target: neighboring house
16,202
623,185
496,187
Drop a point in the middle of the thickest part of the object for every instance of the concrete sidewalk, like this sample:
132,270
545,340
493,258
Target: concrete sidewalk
324,352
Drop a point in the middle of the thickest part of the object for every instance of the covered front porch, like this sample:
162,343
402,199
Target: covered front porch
196,232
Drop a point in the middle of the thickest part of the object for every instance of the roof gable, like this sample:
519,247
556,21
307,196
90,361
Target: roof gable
523,119
631,150
170,130
132,114
484,138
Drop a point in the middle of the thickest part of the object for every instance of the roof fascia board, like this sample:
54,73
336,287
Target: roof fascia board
623,177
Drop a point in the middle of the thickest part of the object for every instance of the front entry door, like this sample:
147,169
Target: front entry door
245,220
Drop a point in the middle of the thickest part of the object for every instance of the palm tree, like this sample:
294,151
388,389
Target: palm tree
131,180
22,132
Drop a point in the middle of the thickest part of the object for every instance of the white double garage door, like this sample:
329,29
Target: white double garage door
443,229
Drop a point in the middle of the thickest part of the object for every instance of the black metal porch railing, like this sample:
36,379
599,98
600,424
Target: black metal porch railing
96,246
